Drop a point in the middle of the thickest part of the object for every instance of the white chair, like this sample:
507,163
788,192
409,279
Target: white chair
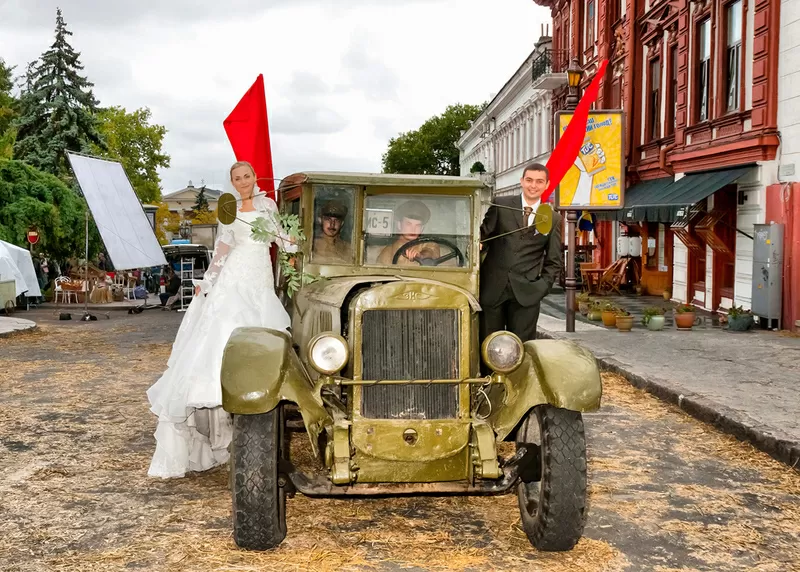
66,295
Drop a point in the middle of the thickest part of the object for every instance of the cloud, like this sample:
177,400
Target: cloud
341,76
368,73
306,119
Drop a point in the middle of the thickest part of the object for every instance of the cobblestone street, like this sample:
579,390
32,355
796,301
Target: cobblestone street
666,492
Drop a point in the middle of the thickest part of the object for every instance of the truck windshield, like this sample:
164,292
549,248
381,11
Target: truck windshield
417,230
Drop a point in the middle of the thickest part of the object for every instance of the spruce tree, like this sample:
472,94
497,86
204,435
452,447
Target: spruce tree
57,108
8,111
201,204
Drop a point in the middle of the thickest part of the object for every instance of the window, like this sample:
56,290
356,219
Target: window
654,103
590,7
616,94
443,223
333,225
703,70
734,55
672,108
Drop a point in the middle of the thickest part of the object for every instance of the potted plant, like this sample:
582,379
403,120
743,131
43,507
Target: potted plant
739,319
684,316
624,321
584,302
595,312
654,319
609,315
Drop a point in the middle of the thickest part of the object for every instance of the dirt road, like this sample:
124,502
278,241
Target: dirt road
666,492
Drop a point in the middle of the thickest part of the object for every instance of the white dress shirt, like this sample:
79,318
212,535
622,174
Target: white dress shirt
534,206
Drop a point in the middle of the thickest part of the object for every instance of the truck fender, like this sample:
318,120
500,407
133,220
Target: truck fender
260,369
558,372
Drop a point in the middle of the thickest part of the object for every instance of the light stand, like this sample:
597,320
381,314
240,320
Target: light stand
86,315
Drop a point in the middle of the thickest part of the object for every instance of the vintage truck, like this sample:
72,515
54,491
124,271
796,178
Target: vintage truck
383,363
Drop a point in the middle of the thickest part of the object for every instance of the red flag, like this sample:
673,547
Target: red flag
248,131
569,145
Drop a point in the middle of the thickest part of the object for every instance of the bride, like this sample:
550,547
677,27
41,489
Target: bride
193,430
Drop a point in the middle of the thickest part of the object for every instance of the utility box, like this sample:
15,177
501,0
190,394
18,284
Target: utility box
768,272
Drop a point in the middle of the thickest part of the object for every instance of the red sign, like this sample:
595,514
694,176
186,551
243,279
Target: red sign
33,235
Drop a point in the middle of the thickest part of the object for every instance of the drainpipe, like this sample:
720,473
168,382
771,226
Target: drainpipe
631,54
662,159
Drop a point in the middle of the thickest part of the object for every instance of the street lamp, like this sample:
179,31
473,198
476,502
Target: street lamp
574,75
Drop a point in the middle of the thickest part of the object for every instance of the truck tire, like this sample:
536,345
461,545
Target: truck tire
259,502
553,507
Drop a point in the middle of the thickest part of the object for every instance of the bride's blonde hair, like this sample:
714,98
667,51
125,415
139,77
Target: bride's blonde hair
238,164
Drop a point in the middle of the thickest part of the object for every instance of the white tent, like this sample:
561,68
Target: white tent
16,264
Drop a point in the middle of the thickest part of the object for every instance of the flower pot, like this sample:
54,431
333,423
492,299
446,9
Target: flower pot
667,295
624,323
656,323
740,323
609,319
594,315
583,308
684,320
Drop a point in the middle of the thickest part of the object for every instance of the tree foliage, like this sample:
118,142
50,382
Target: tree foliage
134,142
205,217
8,110
30,197
431,150
57,108
166,221
201,204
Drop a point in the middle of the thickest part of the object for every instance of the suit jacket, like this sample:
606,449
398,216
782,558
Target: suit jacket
526,259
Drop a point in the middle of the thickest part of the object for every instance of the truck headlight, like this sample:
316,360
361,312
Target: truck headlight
328,353
503,352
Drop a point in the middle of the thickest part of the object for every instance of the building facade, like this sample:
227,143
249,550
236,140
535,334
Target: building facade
783,198
698,81
183,201
514,130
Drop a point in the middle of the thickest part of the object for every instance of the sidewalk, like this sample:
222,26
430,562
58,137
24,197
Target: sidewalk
10,326
152,300
746,384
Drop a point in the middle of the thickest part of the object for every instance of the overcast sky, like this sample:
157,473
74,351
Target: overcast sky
342,77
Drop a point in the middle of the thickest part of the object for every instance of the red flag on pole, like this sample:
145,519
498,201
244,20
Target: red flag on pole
248,131
569,145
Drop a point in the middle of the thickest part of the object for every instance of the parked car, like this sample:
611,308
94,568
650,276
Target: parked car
384,365
197,253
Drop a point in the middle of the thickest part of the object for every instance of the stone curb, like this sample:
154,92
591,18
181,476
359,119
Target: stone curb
16,331
705,410
78,308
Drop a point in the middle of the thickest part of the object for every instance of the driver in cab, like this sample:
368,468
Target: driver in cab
411,217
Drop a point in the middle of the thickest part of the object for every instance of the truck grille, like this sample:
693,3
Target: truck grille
410,344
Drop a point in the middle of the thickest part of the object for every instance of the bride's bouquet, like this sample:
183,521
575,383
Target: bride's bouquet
285,229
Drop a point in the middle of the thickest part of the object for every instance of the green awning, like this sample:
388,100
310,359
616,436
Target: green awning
665,200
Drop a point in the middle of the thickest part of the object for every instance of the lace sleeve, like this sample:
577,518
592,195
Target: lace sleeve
222,248
283,240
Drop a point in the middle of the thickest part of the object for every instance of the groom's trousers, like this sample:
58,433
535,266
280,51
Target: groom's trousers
508,314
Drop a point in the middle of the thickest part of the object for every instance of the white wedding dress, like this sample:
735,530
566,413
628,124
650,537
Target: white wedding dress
193,431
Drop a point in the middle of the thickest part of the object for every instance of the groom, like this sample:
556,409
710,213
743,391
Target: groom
519,268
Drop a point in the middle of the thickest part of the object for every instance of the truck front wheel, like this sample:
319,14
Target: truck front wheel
259,502
552,503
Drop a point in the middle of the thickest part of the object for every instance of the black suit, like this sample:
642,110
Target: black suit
518,271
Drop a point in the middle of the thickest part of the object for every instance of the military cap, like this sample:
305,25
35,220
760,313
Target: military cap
334,208
415,210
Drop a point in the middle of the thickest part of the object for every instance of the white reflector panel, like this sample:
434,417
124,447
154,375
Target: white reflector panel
126,232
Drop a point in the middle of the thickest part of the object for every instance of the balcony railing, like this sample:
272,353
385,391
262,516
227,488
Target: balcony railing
550,62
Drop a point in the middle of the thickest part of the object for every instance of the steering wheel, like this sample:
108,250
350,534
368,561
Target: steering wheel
431,261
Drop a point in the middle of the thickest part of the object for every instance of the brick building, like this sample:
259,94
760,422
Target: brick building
698,80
